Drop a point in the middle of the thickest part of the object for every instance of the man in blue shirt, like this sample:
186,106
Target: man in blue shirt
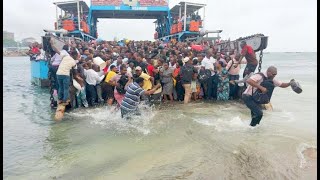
129,105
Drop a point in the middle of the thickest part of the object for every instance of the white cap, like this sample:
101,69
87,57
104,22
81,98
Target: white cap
138,68
186,59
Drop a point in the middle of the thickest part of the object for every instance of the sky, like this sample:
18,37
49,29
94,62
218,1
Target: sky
290,24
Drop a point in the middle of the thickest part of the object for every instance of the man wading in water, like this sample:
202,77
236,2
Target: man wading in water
254,83
129,105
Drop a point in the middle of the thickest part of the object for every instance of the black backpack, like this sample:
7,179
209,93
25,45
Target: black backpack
122,83
204,75
263,98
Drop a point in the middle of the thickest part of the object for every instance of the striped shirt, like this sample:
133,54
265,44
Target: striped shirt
132,97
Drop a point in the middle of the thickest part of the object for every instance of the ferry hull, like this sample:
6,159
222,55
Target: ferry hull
39,73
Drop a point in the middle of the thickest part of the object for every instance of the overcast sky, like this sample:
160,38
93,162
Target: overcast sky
290,24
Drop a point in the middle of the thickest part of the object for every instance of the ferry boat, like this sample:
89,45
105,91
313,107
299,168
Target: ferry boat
78,22
68,27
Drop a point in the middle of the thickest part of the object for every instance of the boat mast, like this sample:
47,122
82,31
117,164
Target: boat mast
78,14
57,20
185,16
204,16
180,13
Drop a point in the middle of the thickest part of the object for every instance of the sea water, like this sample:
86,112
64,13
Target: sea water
201,140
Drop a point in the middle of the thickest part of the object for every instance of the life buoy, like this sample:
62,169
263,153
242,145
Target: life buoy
197,47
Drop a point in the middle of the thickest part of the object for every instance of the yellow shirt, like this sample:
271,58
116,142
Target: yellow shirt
147,85
110,75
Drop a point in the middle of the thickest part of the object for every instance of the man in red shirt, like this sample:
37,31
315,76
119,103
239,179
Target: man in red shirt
150,68
250,55
35,49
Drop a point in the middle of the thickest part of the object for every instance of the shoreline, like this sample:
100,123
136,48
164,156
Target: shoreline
14,55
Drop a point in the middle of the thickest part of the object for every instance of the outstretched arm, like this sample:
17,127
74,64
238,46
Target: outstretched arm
285,85
152,90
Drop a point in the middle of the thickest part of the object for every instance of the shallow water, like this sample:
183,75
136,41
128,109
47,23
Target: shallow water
196,141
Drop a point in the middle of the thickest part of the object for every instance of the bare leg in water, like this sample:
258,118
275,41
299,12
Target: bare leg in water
171,99
110,101
165,98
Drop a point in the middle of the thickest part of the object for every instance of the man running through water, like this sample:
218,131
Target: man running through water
254,84
129,105
250,56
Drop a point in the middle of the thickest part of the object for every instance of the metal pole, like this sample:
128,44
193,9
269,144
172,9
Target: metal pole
204,15
57,16
81,10
180,12
78,15
185,16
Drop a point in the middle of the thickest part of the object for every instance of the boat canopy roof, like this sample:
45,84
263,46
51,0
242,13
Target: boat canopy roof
71,6
191,8
128,14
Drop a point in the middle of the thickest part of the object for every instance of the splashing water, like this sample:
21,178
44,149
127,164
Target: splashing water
110,118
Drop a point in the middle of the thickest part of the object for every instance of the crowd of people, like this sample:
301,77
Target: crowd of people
147,71
36,51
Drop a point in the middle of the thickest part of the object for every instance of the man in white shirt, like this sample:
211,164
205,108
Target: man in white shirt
253,85
55,62
92,79
208,62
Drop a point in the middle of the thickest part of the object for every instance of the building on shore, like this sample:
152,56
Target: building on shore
28,41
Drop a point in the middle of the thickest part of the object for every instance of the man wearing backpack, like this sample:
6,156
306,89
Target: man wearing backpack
186,73
256,82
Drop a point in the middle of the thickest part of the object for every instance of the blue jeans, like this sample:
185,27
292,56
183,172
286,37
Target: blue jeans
82,98
64,83
256,111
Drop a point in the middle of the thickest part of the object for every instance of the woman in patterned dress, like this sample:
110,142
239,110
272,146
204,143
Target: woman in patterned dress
223,82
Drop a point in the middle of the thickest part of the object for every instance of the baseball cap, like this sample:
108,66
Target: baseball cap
138,68
186,59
